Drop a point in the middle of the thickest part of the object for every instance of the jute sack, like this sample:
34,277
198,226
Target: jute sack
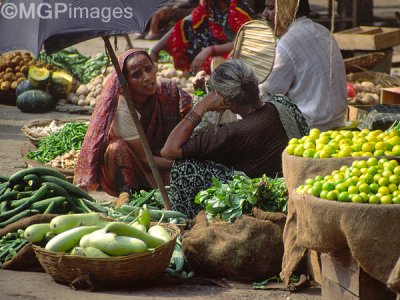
394,279
247,249
25,259
295,171
370,231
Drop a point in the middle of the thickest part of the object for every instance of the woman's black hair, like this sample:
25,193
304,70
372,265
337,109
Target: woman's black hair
304,9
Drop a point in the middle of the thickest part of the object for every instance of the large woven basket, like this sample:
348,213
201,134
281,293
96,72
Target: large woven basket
366,61
383,79
34,137
121,271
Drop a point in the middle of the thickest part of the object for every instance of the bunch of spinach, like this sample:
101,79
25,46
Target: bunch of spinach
228,201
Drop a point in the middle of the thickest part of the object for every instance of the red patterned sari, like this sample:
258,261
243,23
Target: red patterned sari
103,154
206,27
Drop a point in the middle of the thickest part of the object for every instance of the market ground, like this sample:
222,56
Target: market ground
29,285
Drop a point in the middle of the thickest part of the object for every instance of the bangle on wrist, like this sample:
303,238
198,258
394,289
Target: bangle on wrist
193,117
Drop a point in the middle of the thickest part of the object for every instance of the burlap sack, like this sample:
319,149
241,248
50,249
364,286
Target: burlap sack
25,259
248,249
295,171
394,279
371,232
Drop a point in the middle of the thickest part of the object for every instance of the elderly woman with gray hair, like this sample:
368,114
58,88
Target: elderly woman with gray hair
252,145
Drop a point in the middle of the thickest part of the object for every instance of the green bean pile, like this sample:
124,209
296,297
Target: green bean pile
69,137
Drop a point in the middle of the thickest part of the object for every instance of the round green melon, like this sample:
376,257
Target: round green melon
35,101
23,87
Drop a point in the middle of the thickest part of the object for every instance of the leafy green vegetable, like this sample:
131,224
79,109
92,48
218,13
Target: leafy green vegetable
69,137
229,201
84,68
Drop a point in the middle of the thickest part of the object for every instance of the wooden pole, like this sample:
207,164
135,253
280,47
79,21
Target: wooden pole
142,135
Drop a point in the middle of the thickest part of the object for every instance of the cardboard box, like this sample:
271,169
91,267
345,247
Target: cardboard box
357,112
390,95
368,38
343,278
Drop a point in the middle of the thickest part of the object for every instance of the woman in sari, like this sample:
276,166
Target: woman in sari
208,32
112,155
253,145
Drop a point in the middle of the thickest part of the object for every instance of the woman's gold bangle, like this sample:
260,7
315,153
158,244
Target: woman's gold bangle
193,117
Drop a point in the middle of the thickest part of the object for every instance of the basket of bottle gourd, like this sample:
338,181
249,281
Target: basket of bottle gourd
114,254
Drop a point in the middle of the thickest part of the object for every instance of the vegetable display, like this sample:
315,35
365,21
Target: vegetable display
346,144
66,139
228,201
41,190
85,235
81,67
365,181
14,69
10,244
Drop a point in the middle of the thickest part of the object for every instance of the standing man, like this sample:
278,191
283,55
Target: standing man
308,68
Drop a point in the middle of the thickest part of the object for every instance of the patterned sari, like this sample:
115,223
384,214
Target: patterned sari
161,114
207,26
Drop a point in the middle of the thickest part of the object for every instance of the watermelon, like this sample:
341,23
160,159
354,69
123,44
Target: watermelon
35,101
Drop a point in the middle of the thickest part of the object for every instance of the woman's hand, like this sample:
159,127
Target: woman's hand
199,81
211,102
199,60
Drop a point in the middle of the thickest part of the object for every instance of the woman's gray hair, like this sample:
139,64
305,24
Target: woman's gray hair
236,82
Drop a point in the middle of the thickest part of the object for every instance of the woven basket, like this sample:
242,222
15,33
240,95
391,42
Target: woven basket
366,61
383,79
110,272
34,137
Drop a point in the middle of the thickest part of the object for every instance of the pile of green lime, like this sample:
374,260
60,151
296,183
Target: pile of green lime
365,181
346,143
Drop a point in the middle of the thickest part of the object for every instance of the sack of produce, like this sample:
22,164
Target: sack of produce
25,259
318,155
247,249
370,231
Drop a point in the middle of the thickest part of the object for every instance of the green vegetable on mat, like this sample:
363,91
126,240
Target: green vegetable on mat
228,201
35,233
69,137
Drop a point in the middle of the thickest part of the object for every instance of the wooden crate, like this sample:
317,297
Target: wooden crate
368,38
357,112
390,95
343,278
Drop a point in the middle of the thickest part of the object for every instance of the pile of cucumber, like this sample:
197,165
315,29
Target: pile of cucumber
41,190
10,244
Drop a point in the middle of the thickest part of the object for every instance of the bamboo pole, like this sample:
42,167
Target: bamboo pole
142,135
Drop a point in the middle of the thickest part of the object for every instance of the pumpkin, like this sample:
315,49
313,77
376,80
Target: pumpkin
35,101
60,84
38,77
23,87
